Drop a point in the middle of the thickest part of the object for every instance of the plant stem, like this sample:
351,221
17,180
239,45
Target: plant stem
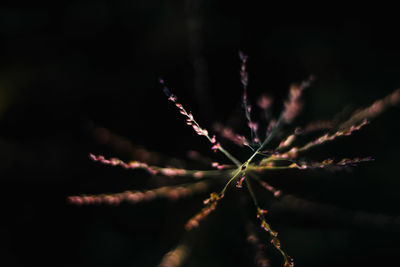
253,196
243,166
229,156
238,171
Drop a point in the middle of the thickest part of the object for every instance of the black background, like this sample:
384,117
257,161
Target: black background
66,68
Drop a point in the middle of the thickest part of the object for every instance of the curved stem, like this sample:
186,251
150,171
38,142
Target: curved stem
229,156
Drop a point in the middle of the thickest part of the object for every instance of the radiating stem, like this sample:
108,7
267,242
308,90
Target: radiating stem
238,171
244,165
229,156
253,196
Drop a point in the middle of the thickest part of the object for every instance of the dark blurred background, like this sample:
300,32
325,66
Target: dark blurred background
68,68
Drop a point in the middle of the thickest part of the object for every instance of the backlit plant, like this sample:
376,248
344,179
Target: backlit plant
264,157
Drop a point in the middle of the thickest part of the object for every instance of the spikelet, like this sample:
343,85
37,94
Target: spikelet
244,78
287,260
132,196
175,257
210,205
294,104
260,258
373,110
229,134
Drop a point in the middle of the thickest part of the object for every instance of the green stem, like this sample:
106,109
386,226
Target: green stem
253,196
242,167
229,156
238,171
267,140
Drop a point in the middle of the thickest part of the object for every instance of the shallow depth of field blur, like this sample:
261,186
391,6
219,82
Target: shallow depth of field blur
67,70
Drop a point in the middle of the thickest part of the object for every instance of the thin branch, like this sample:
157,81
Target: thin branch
196,127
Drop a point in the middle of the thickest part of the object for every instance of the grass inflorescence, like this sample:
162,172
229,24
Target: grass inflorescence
264,157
